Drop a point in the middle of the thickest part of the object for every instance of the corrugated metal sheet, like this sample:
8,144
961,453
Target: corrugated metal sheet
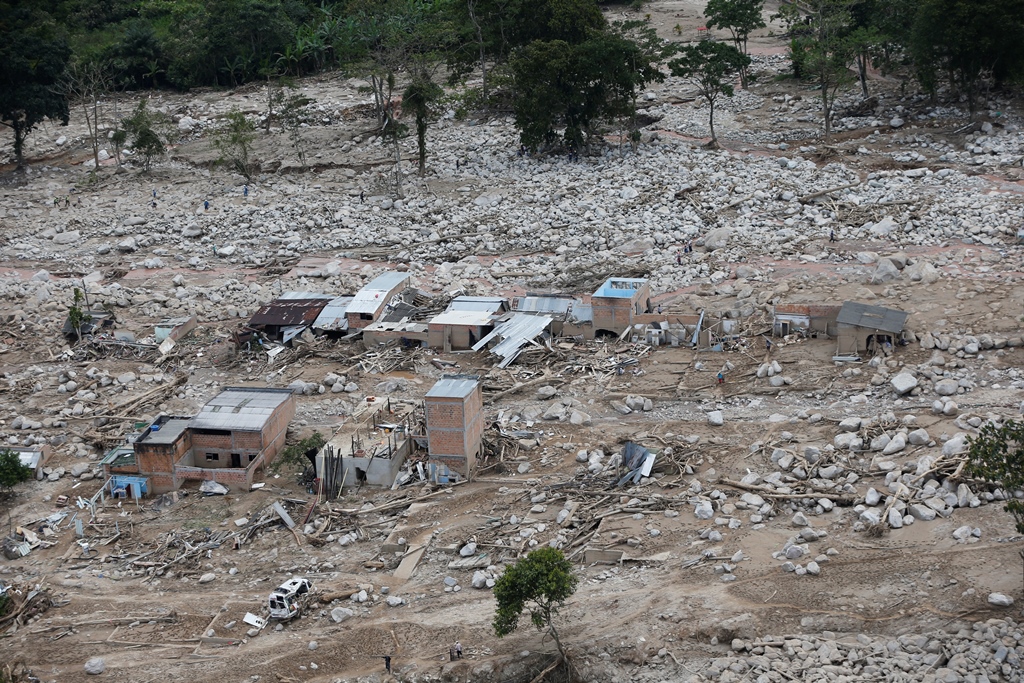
557,305
332,317
464,318
583,313
490,304
872,317
370,297
285,312
239,408
514,333
452,387
168,430
303,295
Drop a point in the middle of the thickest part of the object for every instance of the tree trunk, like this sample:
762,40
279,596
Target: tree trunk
421,141
827,108
862,72
21,132
711,123
471,6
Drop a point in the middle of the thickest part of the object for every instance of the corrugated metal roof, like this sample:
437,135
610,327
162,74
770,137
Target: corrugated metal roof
491,304
467,318
303,295
284,312
514,333
558,305
452,387
370,297
240,408
872,317
332,317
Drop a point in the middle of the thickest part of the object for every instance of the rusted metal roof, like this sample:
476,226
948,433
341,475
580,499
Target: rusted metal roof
285,312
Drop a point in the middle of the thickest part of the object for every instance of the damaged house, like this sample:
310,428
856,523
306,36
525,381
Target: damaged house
862,328
238,432
288,316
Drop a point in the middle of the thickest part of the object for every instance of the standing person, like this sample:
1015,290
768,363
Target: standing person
768,345
458,649
832,236
387,663
721,378
206,205
245,190
679,258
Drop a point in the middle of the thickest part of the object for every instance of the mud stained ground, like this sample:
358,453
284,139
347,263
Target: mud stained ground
688,585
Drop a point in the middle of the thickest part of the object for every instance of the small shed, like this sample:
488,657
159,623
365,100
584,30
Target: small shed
807,319
455,422
862,328
33,457
457,330
618,301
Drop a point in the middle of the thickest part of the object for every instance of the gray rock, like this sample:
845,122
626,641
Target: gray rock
340,614
395,601
1000,600
903,383
886,271
918,437
95,666
312,645
946,387
715,418
468,550
207,578
922,512
800,519
850,424
479,579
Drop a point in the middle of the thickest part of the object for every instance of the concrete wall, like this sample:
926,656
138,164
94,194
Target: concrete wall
379,471
460,337
372,338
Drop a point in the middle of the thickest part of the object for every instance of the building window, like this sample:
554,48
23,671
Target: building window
212,457
366,316
252,456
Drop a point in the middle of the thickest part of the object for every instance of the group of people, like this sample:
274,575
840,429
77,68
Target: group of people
687,249
454,652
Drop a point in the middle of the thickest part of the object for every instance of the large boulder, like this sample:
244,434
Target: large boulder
903,383
718,238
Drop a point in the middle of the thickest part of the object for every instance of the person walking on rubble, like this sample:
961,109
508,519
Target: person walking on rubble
721,378
832,236
458,650
387,663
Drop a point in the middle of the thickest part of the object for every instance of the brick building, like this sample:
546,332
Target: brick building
239,431
455,422
617,302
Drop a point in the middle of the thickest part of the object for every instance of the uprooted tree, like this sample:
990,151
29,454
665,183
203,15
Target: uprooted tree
541,582
996,455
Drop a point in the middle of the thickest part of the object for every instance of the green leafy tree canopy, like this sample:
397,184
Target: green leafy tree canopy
710,65
33,57
541,582
11,470
996,455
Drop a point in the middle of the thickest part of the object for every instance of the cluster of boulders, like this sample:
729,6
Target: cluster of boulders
984,651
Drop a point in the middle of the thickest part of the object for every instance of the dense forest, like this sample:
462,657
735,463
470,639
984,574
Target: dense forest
558,65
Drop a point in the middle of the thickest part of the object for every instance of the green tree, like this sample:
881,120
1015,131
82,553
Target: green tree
825,51
541,582
419,98
234,142
296,455
968,40
140,130
572,86
996,455
76,316
740,17
710,65
11,470
33,56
